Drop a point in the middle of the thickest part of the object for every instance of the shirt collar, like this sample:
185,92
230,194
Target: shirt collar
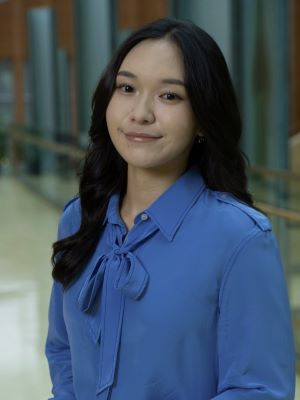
112,213
170,208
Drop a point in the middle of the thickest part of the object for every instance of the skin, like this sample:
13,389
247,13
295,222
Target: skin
141,102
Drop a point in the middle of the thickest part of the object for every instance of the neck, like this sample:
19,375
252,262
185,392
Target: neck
145,185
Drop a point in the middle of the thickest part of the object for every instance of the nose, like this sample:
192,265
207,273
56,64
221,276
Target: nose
142,111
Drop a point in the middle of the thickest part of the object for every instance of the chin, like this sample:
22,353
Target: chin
142,165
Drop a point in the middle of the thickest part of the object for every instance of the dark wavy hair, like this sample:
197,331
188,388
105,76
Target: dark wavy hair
220,159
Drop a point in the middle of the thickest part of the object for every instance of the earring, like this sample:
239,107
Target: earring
201,139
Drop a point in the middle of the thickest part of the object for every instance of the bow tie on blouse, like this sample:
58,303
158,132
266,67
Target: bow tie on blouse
115,275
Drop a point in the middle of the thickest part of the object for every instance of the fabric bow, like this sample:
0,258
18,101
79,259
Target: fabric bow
131,277
119,269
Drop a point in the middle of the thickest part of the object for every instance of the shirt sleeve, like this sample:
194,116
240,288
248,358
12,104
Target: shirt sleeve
256,355
57,347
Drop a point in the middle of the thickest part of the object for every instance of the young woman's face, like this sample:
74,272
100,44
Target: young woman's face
150,98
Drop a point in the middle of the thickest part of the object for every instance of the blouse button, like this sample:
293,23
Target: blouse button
144,217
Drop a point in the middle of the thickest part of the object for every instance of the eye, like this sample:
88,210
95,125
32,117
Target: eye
125,87
170,96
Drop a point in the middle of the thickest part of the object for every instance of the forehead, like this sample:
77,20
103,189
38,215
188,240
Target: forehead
155,58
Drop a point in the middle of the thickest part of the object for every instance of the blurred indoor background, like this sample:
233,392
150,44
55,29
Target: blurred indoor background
52,53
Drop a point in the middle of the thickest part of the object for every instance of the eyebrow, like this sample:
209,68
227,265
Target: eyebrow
170,81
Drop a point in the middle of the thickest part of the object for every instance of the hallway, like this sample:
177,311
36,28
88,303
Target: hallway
28,227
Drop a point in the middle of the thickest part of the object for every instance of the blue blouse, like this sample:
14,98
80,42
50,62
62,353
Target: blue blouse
191,304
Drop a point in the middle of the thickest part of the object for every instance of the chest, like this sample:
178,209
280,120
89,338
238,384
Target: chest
181,293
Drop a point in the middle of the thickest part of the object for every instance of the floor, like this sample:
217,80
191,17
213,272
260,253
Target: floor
28,227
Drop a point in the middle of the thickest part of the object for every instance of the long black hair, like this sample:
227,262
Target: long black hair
104,172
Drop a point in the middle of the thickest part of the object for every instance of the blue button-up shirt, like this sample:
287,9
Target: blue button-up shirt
191,304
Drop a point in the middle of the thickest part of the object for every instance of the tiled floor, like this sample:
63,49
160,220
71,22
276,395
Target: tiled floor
28,227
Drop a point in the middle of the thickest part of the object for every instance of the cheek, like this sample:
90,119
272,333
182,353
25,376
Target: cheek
179,123
118,109
110,114
187,123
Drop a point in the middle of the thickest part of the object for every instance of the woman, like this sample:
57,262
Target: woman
168,282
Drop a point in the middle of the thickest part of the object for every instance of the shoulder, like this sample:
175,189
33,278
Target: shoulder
239,212
237,230
69,221
74,202
227,219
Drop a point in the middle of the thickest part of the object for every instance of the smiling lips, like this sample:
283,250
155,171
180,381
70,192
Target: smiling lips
140,137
